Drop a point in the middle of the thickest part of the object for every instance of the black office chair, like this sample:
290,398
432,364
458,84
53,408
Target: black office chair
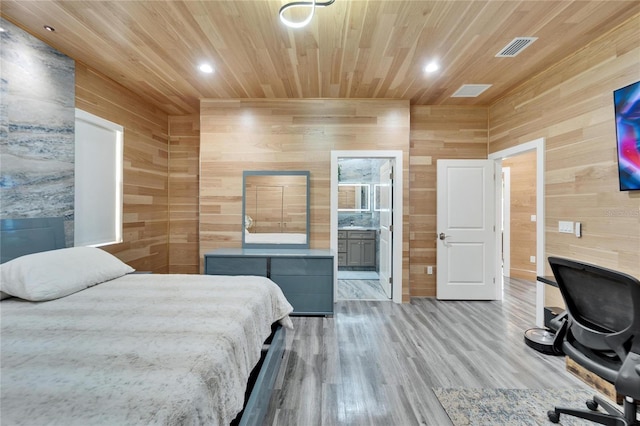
602,334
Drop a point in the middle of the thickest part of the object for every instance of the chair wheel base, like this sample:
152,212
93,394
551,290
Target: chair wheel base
553,416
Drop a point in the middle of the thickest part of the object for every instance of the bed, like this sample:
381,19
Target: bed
133,348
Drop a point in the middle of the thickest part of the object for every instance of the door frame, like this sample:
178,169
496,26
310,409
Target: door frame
506,222
398,179
536,145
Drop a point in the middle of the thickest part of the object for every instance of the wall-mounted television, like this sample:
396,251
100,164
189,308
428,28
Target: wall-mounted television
627,110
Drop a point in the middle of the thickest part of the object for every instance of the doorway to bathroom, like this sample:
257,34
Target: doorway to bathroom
363,218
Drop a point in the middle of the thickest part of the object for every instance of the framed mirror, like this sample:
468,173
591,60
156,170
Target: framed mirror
275,209
353,197
380,190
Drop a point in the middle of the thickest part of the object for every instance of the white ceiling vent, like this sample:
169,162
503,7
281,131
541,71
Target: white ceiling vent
516,46
470,90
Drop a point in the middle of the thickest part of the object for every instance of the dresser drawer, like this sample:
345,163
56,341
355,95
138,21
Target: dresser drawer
362,235
307,294
311,304
301,266
342,246
304,284
342,234
342,259
227,265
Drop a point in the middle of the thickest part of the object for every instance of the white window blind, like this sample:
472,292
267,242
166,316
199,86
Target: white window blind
98,181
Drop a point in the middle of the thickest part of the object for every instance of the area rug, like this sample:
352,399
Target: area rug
510,406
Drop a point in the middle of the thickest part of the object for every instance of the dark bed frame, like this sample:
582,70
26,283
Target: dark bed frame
19,237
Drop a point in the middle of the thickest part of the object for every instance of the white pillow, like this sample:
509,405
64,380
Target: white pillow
58,273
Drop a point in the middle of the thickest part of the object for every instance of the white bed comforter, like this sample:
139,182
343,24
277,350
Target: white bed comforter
141,349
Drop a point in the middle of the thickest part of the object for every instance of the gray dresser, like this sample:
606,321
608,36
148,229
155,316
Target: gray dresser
304,275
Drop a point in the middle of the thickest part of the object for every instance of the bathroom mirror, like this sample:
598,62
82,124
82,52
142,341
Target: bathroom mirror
380,190
275,209
353,197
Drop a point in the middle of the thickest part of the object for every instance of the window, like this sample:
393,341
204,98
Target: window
98,181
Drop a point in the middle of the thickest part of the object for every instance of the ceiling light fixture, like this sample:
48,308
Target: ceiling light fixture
311,4
206,68
49,28
432,66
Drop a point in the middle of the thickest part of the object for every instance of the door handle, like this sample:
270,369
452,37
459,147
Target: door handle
442,236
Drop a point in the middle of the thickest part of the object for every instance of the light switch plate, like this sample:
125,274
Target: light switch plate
565,227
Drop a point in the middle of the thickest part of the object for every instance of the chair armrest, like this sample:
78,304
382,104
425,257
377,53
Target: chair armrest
628,380
562,324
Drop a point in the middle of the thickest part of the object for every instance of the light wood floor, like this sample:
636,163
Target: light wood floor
375,363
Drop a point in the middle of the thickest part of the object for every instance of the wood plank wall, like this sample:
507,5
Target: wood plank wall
437,132
184,201
523,205
571,106
145,210
287,134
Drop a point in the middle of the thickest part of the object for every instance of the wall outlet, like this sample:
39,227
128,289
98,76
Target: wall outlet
532,259
565,227
534,218
429,270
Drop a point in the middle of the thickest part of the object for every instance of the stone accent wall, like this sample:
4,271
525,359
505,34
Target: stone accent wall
37,123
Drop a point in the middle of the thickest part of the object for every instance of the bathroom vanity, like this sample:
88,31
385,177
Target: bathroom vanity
357,247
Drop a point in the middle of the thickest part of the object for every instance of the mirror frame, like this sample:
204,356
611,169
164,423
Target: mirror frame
377,188
247,173
357,185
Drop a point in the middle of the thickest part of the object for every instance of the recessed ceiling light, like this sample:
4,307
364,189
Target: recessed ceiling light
432,66
206,68
2,30
49,28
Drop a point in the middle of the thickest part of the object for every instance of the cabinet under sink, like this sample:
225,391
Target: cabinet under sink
357,247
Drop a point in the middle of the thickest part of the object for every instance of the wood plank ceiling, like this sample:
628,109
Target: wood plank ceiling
352,49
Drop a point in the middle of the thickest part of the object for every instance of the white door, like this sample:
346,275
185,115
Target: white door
385,192
465,225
